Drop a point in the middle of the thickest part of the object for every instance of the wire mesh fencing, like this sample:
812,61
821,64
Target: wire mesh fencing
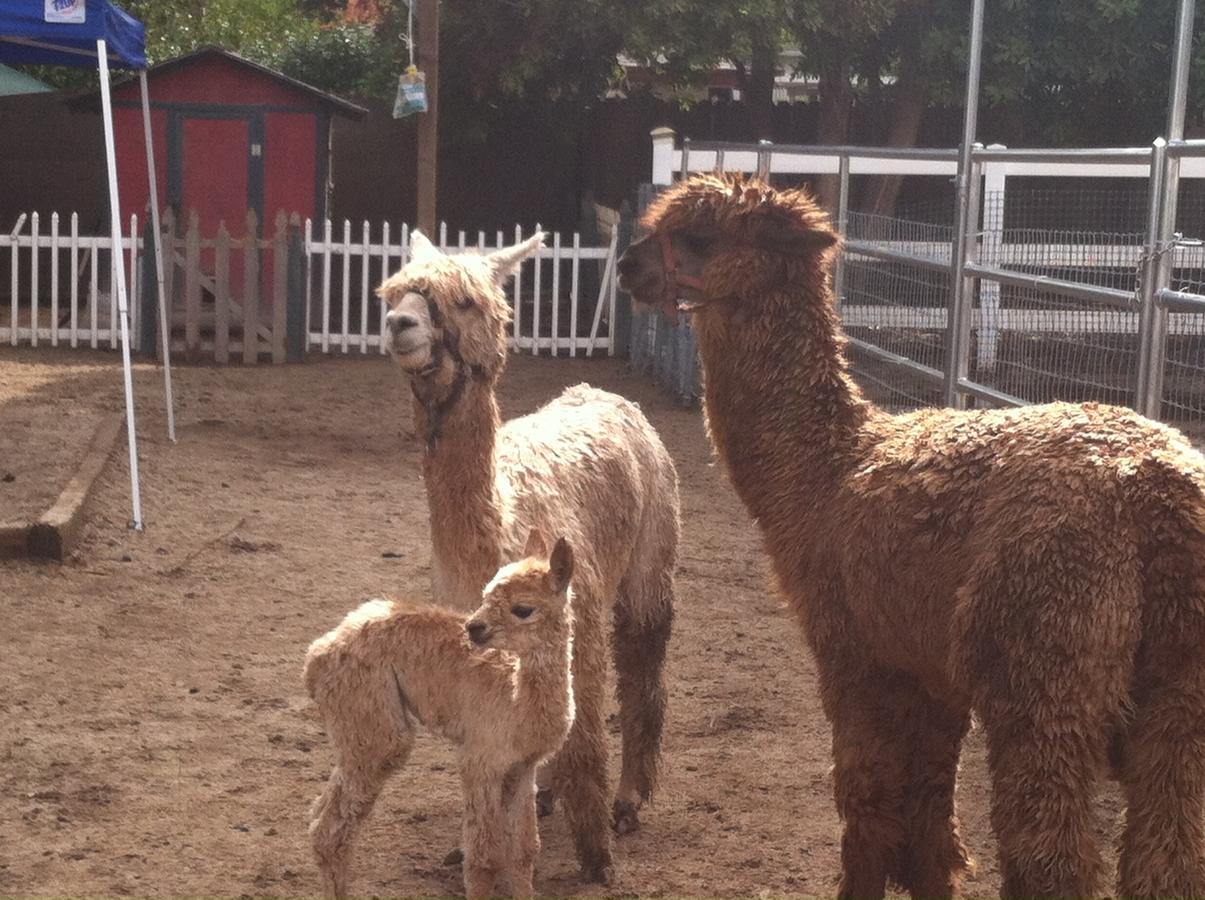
897,307
1041,345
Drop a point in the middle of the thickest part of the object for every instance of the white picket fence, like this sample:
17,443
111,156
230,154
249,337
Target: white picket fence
537,293
55,314
59,286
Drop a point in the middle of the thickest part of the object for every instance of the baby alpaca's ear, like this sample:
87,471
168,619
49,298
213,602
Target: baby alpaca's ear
536,547
560,566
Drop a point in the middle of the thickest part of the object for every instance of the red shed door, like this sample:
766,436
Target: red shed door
215,168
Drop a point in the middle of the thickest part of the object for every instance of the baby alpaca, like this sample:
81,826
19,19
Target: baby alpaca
497,683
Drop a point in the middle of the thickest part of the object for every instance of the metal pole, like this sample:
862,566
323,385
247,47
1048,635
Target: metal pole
123,310
1148,280
842,225
165,331
1178,95
1163,237
961,288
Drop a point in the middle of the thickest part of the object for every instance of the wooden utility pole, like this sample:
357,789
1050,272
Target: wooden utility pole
428,122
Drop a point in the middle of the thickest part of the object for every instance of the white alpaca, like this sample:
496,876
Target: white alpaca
497,683
588,466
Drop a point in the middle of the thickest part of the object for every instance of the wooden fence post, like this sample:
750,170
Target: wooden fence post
192,288
280,262
251,290
168,224
221,296
148,299
296,300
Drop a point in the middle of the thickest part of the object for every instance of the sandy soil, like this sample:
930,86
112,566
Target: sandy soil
41,445
157,741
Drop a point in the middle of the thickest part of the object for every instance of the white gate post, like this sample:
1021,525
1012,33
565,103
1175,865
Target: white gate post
663,156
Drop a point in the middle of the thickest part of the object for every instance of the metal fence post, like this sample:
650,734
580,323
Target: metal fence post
1162,243
1148,285
962,289
962,286
842,225
764,152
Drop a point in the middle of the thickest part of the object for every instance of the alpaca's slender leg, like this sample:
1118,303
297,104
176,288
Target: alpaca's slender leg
935,858
1042,787
579,773
1163,772
642,631
524,833
870,771
485,837
1049,625
372,735
348,798
1163,751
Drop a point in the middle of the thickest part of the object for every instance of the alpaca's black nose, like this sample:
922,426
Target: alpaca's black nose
628,265
399,322
476,631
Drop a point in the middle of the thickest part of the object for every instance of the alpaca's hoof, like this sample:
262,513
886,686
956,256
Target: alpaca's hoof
625,817
599,873
545,802
454,858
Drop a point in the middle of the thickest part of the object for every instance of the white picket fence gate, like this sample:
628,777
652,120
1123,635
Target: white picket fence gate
563,301
544,316
55,314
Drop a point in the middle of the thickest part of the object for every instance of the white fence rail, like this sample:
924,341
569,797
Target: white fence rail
563,301
551,310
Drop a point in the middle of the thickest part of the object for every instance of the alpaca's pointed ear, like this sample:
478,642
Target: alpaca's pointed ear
421,248
505,262
560,566
536,547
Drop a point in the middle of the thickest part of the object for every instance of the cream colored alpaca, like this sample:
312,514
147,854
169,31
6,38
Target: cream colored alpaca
509,707
588,466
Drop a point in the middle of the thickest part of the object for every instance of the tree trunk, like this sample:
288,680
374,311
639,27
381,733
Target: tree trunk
759,85
836,106
908,101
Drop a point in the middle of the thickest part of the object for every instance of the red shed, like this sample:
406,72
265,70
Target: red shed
230,135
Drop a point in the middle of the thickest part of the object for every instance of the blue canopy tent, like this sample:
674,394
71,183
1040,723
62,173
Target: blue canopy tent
98,33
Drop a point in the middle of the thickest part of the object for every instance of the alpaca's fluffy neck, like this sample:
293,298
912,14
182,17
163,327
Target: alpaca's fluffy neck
544,694
466,524
782,410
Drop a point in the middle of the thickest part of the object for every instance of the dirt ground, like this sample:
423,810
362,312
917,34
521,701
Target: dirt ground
156,739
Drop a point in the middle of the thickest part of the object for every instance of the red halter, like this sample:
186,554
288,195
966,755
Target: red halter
674,280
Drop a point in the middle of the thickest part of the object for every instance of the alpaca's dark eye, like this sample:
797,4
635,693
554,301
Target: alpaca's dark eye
521,612
464,303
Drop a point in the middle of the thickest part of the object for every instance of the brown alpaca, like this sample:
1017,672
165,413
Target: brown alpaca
588,466
1044,567
509,707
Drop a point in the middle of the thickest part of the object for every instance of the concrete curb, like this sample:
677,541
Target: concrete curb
54,534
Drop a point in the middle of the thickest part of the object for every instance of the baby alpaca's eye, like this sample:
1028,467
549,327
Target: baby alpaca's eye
465,303
521,612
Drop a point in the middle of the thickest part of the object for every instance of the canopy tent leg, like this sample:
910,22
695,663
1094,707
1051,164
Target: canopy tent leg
119,269
164,321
